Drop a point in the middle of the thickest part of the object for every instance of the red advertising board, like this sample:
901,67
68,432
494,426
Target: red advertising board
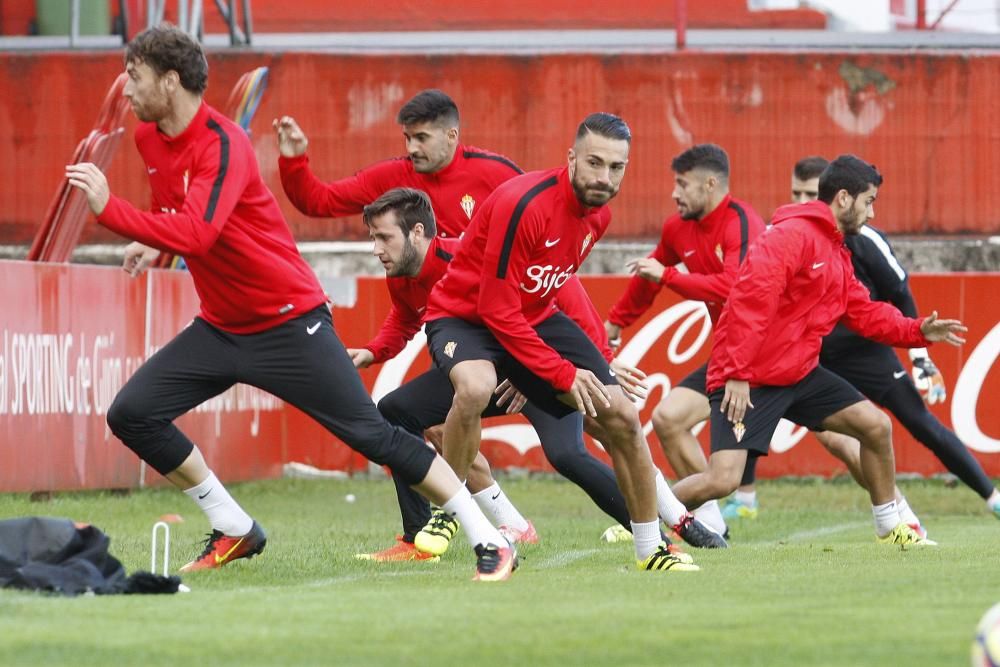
71,336
673,338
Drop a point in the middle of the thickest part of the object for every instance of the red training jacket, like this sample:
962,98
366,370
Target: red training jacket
211,207
455,191
711,249
525,243
409,301
797,282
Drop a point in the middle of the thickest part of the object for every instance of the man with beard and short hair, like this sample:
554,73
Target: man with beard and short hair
264,319
493,315
710,234
876,371
796,283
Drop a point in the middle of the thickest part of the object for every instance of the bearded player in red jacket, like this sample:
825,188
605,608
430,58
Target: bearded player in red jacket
797,282
264,319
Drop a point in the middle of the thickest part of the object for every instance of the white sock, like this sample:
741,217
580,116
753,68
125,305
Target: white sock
668,507
647,538
710,515
886,518
747,498
905,513
478,529
224,514
498,508
994,500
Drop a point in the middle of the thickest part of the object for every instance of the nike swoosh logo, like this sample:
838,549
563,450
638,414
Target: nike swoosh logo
219,560
421,309
818,264
206,494
899,374
496,496
689,253
549,244
151,170
311,330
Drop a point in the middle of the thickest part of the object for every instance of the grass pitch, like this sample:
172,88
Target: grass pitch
803,584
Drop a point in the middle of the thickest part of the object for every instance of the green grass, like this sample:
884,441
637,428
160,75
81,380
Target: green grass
804,584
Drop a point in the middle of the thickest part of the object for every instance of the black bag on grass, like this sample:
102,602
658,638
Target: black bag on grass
60,556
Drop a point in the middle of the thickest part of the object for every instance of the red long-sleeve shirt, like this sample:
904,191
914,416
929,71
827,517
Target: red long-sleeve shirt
797,282
409,301
455,191
211,207
711,249
525,243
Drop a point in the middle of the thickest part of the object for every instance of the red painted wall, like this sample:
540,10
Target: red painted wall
344,16
337,16
924,119
70,336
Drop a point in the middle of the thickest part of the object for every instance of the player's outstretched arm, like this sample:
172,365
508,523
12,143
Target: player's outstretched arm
943,331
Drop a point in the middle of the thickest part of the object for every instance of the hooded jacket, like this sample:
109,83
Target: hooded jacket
796,283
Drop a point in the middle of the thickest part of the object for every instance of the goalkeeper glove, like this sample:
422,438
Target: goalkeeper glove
927,377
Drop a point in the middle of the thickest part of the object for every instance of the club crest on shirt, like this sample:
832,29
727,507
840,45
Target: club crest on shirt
718,253
586,243
449,349
468,204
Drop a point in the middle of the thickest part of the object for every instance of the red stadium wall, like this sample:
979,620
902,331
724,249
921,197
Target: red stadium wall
345,16
924,118
70,337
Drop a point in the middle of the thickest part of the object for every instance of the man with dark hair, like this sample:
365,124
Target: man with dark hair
710,234
794,286
399,222
805,178
264,319
875,370
494,315
457,178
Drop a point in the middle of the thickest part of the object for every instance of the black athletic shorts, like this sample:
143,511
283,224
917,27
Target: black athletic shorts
696,380
872,368
452,340
807,403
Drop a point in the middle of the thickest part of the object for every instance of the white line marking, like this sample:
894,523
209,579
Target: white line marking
563,559
803,535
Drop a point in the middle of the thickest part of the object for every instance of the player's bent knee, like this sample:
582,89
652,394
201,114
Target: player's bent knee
724,481
124,416
621,421
877,427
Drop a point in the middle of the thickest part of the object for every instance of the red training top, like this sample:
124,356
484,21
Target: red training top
525,243
711,248
211,207
409,301
455,191
797,282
